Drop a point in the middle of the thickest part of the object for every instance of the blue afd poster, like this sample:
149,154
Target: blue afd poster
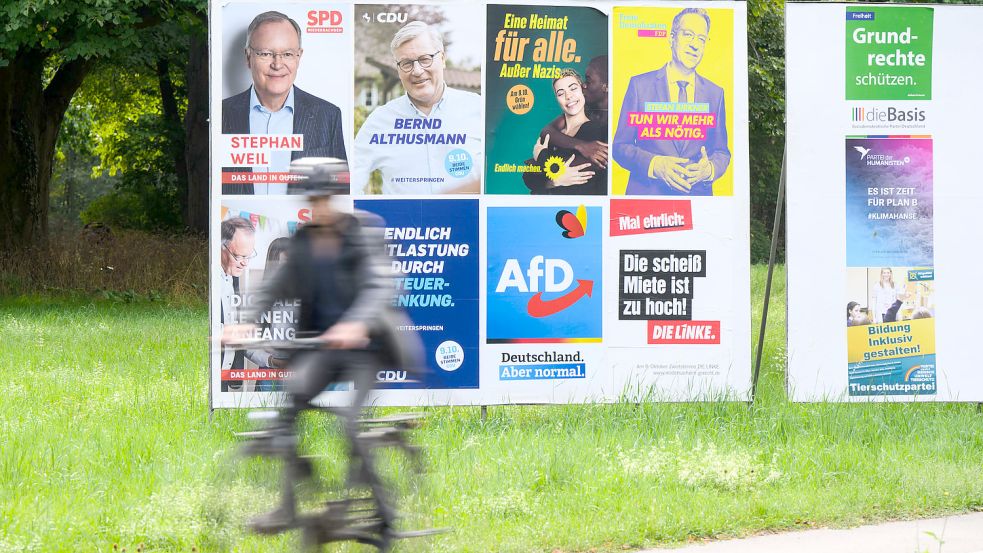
433,245
544,274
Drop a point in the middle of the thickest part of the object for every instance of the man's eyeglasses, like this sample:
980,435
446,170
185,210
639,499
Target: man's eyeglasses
425,61
239,258
690,36
267,56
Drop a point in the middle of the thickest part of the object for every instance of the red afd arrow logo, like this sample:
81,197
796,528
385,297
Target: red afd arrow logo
539,308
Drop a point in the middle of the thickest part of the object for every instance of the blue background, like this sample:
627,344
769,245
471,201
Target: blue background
523,233
460,320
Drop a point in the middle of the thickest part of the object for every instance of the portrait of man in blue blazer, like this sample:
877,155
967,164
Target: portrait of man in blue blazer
273,105
675,166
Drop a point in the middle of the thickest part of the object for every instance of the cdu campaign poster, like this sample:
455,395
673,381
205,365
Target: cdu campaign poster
433,245
418,121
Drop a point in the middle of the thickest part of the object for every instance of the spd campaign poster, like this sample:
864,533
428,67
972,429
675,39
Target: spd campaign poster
273,102
547,101
254,241
674,93
433,245
418,120
878,203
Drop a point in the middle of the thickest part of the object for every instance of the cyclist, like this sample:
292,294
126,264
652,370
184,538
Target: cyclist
336,266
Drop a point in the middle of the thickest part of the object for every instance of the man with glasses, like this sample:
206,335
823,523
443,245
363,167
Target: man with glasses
273,105
238,247
670,166
428,141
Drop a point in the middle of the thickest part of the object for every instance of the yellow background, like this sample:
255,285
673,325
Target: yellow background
923,331
634,56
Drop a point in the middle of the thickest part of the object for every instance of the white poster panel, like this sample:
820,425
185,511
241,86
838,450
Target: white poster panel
544,251
677,306
879,201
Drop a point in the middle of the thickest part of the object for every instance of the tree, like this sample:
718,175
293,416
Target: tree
137,103
46,50
766,81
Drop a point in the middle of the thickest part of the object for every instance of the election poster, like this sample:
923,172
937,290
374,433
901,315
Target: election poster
272,100
891,341
547,101
877,66
544,297
674,95
889,201
254,241
418,116
878,201
889,222
433,245
676,312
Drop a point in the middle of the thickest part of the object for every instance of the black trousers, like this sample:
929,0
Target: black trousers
316,370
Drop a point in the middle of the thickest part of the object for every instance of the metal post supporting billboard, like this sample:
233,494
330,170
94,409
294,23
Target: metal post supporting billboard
771,268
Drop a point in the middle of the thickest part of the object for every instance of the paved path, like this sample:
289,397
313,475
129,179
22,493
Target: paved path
959,534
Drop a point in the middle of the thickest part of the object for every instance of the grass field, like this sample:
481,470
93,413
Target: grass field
105,440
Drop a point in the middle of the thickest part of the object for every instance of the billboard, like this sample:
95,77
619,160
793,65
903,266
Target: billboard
456,124
877,202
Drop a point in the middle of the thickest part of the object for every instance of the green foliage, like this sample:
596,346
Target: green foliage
117,118
105,406
145,208
128,133
766,81
375,178
72,184
88,29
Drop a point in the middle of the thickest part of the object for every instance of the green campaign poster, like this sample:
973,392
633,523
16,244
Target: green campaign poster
547,74
889,53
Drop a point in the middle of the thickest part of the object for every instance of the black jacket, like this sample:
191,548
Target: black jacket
318,120
364,283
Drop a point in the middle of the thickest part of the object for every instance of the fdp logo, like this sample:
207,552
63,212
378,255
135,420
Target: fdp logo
544,274
324,21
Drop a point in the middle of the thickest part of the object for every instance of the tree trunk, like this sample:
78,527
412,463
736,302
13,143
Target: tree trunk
176,136
30,117
196,135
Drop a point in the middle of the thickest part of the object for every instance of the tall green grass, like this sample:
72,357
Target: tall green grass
105,439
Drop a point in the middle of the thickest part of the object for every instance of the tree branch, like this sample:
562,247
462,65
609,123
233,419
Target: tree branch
59,92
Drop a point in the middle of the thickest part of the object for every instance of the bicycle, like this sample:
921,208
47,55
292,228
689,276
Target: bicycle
370,520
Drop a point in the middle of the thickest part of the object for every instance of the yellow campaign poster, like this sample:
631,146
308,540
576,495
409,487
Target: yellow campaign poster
672,86
891,341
